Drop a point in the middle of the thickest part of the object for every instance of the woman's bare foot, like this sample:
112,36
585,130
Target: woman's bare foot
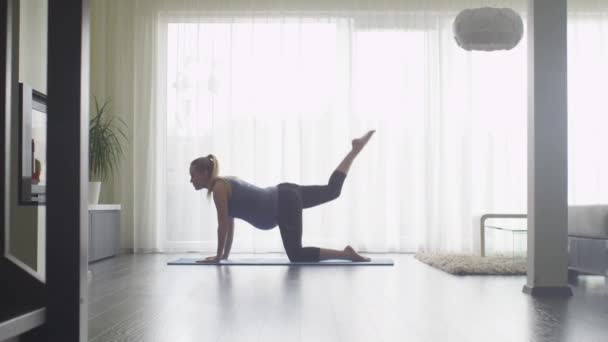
354,256
359,143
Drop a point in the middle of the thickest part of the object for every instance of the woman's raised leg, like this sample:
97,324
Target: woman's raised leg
313,195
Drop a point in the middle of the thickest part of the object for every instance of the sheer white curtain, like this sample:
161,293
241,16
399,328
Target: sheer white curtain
588,102
278,90
278,98
277,93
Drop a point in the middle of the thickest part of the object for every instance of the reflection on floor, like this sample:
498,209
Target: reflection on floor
140,298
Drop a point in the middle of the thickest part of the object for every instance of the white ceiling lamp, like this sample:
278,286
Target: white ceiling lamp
488,29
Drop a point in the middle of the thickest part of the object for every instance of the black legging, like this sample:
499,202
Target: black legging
292,199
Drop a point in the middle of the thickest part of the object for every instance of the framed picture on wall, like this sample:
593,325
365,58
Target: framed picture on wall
32,162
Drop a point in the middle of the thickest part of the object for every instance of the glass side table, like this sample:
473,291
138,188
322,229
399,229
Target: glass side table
513,225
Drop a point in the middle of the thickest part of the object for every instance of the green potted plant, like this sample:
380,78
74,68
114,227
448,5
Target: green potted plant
106,139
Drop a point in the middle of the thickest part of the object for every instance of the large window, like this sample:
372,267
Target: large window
280,99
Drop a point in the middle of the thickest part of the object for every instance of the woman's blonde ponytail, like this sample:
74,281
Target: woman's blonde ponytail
214,170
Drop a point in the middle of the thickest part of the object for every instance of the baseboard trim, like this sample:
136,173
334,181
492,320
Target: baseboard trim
548,291
11,329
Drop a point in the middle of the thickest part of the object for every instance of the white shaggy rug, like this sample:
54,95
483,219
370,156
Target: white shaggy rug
475,265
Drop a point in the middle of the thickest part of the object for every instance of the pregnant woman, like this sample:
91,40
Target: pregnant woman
265,208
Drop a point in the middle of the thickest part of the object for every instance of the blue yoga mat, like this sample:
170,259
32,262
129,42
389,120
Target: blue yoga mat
280,262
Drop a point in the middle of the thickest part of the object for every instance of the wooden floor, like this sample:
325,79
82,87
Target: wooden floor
140,298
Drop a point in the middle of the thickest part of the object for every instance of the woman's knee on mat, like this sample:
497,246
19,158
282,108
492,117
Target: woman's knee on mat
305,254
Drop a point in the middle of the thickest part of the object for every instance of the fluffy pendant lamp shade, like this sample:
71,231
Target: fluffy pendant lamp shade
488,29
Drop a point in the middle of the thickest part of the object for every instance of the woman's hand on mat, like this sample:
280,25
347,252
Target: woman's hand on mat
214,258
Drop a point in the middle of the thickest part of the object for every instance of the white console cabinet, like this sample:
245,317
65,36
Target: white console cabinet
104,231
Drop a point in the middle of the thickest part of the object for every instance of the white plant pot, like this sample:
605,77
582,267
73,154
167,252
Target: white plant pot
94,190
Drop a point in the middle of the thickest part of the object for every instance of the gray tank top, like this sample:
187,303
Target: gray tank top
257,206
